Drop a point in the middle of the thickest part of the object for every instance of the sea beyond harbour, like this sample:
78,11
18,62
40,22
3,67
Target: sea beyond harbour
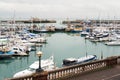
60,45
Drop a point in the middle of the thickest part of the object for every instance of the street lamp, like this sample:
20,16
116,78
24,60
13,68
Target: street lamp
39,54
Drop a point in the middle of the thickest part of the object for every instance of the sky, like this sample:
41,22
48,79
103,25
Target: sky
79,9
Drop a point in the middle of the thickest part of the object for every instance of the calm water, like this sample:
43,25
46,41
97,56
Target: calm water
61,45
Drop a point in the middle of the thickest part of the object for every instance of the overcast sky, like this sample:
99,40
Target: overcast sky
60,8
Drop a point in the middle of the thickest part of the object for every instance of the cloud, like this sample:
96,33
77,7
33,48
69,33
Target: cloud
60,8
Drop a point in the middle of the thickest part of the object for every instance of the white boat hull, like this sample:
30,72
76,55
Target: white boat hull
46,65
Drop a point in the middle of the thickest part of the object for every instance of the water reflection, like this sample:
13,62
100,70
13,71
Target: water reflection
6,61
73,34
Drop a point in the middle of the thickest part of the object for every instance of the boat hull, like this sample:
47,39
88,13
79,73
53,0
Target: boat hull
4,55
79,61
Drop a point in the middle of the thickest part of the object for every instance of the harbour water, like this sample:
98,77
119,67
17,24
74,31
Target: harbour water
61,45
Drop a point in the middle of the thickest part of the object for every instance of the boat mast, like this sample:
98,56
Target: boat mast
14,20
101,54
86,49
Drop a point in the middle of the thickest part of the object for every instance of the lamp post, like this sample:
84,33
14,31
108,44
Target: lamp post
39,54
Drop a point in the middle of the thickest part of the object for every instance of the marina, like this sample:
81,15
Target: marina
62,43
59,40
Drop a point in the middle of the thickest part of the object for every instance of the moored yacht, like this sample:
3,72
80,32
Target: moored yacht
113,43
84,33
5,52
19,50
46,65
73,61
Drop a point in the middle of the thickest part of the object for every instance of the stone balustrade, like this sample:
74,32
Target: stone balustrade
65,72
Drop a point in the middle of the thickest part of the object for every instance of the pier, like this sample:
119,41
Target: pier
105,69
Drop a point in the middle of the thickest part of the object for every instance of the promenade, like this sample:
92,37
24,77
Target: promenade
112,73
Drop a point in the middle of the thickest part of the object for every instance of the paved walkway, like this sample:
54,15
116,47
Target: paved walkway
106,74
